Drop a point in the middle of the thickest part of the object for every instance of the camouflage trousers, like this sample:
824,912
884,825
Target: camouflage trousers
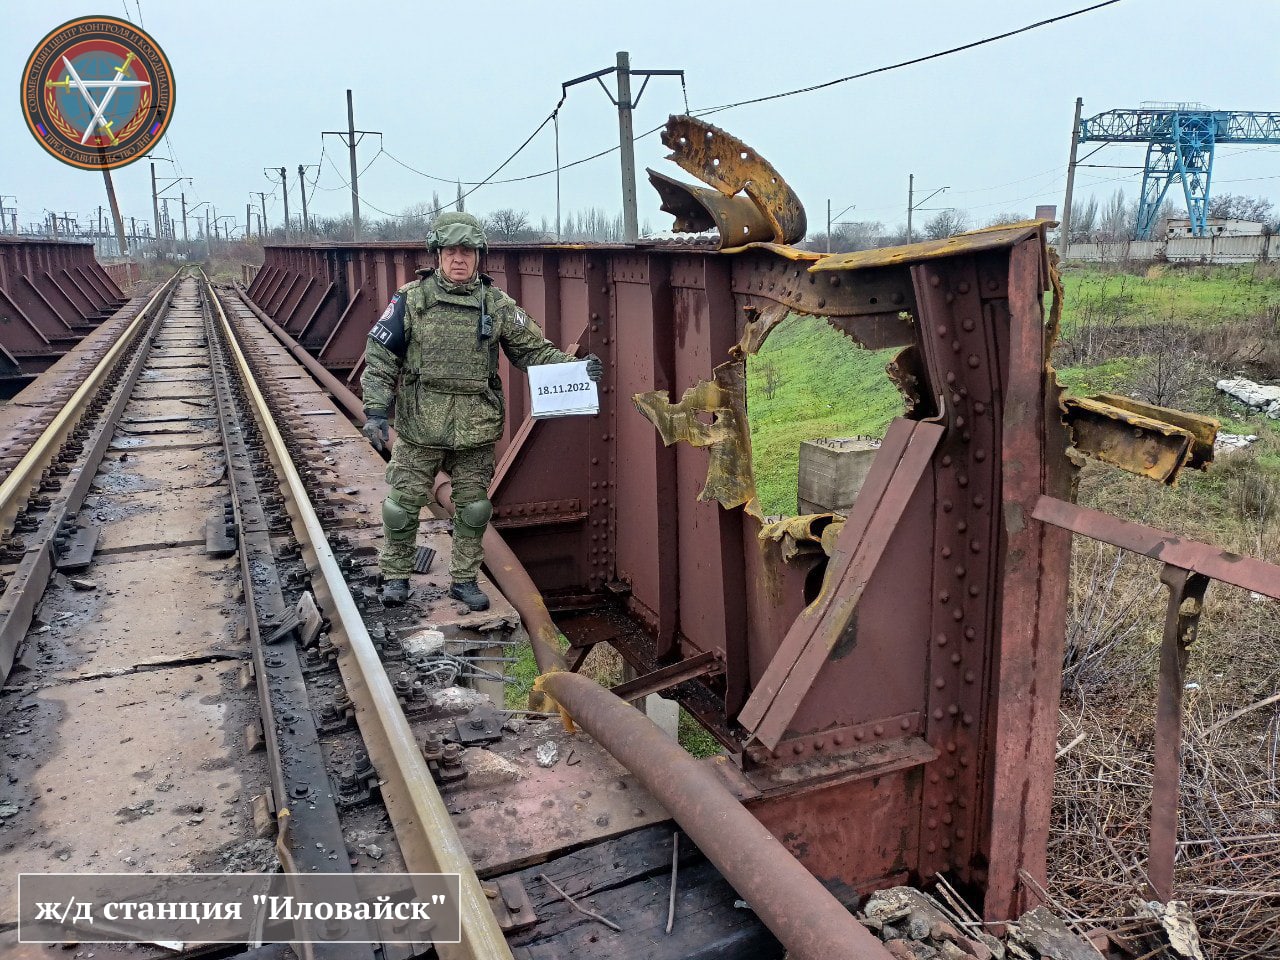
411,474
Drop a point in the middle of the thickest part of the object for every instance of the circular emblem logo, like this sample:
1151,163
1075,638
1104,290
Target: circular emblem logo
97,92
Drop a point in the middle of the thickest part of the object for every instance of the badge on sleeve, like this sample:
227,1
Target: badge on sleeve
522,318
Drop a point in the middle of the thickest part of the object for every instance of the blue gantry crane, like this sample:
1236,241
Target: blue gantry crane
1180,139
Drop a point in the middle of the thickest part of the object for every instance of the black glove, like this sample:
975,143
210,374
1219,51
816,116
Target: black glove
375,429
595,369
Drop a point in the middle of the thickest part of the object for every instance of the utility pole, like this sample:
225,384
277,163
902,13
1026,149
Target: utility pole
852,206
1064,231
351,137
302,188
4,211
284,182
911,206
248,207
208,247
262,217
185,237
116,220
627,144
155,200
626,136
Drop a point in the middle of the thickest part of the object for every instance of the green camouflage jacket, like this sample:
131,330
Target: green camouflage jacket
432,340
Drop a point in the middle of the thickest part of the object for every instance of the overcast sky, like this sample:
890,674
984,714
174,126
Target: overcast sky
258,81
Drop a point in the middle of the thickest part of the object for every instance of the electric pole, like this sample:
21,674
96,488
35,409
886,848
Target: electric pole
284,183
911,190
155,200
912,206
262,217
852,206
302,188
183,199
627,144
626,136
116,220
351,137
208,247
1064,231
247,209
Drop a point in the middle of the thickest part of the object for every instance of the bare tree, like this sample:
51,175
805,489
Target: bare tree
508,224
946,223
1009,216
769,378
1237,207
1084,220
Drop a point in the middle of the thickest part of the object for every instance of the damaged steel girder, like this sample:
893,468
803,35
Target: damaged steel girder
1151,441
770,211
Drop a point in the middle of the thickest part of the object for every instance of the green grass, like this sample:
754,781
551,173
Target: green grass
827,386
1195,296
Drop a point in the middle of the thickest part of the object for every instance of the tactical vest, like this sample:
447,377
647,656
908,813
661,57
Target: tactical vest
449,352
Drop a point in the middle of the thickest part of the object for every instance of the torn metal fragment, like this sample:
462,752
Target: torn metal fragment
729,477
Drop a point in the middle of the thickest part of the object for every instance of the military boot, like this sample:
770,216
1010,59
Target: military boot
395,592
470,593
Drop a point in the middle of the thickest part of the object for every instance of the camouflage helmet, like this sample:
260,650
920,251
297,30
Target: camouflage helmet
457,230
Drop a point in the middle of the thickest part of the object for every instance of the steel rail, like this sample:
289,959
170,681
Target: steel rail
25,478
428,839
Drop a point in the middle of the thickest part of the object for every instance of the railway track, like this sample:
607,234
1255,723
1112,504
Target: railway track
200,676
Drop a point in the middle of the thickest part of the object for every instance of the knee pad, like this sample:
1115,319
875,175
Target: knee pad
470,519
400,523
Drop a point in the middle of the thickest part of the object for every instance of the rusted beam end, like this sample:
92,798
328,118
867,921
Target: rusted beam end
1143,439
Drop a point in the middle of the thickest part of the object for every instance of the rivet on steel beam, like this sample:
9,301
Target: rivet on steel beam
835,279
970,633
951,297
973,360
932,823
858,734
939,682
955,346
905,723
951,377
944,597
979,501
942,639
837,739
968,323
975,546
878,731
937,715
946,506
819,744
962,480
957,614
946,552
942,332
932,847
979,407
935,281
969,676
973,589
797,748
979,455
949,773
960,571
955,398
956,658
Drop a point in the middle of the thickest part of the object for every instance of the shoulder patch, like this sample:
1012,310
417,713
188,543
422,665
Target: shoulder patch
521,317
389,329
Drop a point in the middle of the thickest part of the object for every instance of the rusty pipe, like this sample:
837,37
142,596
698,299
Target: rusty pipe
514,582
810,922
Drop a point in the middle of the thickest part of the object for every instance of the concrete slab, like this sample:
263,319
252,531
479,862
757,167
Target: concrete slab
144,772
150,469
152,518
150,610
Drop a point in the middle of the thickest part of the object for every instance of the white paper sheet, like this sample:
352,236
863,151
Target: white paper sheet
562,390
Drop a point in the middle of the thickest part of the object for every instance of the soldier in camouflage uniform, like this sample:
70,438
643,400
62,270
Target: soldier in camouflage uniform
439,338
